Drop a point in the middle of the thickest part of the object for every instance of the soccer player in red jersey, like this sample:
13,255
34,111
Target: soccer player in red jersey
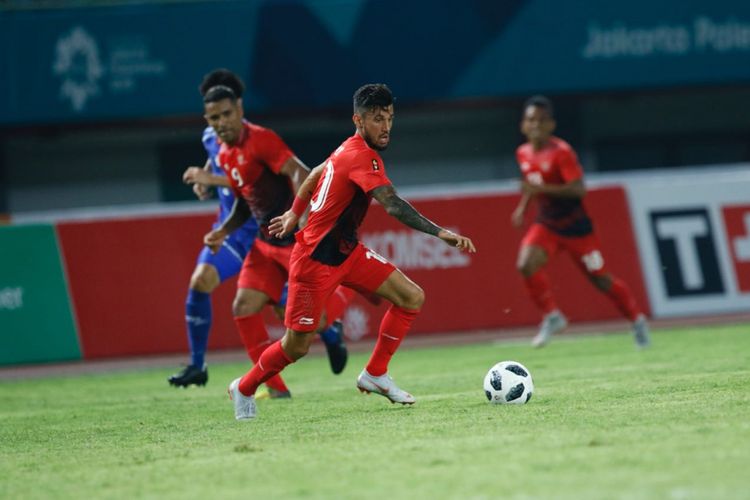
264,175
554,178
328,253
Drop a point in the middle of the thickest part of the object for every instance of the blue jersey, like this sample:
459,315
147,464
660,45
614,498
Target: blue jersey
246,234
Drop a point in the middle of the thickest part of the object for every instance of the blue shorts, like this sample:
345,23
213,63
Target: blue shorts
228,260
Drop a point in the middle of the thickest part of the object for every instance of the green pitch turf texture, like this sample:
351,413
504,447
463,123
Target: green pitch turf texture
605,421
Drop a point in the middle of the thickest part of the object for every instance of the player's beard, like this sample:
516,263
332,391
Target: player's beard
375,145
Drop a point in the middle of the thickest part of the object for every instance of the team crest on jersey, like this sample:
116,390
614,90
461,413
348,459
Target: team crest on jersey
545,166
375,165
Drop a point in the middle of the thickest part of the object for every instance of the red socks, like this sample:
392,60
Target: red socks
393,329
254,335
540,292
538,287
622,297
271,362
255,338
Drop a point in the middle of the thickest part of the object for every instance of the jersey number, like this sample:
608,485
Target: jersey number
593,261
318,202
373,255
236,176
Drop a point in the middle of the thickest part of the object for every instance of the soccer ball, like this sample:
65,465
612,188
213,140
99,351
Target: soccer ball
508,382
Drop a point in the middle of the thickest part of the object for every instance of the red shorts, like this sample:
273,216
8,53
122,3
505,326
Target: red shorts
585,250
266,268
311,282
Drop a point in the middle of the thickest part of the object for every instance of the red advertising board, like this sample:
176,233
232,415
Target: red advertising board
129,277
484,290
737,225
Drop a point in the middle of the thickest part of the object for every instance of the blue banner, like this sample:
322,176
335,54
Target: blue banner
145,61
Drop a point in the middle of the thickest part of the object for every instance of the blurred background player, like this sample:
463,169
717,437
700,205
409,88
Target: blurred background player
552,175
264,174
212,269
329,254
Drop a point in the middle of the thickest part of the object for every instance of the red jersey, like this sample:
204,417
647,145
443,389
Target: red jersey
340,201
555,163
253,167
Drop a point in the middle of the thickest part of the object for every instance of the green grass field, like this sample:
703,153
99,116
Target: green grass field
605,421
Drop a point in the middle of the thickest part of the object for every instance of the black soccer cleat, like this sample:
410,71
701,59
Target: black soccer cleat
190,375
276,394
333,338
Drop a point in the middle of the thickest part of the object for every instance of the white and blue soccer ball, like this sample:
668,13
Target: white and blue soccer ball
508,382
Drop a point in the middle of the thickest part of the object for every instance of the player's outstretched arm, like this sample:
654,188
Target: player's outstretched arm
401,209
284,224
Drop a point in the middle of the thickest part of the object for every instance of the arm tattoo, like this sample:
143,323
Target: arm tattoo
401,209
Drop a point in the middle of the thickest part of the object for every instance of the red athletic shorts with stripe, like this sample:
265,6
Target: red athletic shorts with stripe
585,250
312,282
266,268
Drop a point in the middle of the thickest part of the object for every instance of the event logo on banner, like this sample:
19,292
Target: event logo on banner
86,71
693,234
77,62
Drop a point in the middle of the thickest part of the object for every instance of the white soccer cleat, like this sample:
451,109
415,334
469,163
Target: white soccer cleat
553,323
244,406
384,386
640,332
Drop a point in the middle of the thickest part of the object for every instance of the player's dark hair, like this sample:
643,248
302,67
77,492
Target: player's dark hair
219,93
223,77
540,101
372,96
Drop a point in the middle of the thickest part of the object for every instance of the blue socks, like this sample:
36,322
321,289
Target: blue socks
198,319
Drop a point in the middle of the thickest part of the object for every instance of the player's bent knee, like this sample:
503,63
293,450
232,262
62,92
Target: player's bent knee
243,308
244,305
415,299
529,266
530,259
204,280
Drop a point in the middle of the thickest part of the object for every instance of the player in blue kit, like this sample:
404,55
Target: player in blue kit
212,269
